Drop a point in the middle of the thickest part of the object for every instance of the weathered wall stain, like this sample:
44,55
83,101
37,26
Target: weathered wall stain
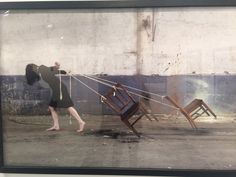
147,25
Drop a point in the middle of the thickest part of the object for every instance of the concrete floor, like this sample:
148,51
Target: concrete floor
106,142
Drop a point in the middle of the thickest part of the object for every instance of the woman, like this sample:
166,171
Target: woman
60,96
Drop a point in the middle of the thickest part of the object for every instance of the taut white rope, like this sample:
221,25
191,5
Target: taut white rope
102,97
104,83
126,86
151,99
100,80
112,86
70,96
60,84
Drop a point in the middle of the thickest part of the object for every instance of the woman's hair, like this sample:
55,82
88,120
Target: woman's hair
31,74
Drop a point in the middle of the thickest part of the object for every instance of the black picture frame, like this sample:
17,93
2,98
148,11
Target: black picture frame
110,4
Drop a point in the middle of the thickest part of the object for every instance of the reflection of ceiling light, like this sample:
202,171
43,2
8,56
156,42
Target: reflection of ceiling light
49,25
5,15
62,37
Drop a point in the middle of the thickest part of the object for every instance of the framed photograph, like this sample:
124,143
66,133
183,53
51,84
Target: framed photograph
118,87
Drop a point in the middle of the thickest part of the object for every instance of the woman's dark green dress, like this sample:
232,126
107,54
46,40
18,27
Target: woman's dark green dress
48,75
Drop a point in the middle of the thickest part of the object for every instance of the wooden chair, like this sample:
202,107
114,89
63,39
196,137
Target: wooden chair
121,102
197,108
193,110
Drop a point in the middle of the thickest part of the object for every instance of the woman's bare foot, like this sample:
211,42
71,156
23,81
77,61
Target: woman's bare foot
81,126
53,129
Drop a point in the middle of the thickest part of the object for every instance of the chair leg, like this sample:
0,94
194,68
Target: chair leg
127,123
207,107
205,110
143,109
189,118
191,121
137,119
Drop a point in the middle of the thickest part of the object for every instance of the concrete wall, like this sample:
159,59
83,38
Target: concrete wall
76,39
149,41
186,53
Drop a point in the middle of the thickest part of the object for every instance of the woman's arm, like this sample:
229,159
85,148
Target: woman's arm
55,69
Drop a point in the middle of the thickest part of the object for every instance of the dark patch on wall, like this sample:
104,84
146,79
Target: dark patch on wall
219,92
17,97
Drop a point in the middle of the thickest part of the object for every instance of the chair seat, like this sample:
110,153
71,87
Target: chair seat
130,111
193,105
121,102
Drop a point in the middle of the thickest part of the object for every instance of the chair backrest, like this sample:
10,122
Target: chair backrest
118,99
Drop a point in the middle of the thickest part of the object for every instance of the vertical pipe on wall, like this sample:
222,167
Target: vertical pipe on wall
139,42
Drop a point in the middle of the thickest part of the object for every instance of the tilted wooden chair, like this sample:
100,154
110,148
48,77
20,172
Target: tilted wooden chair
197,108
121,102
193,110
